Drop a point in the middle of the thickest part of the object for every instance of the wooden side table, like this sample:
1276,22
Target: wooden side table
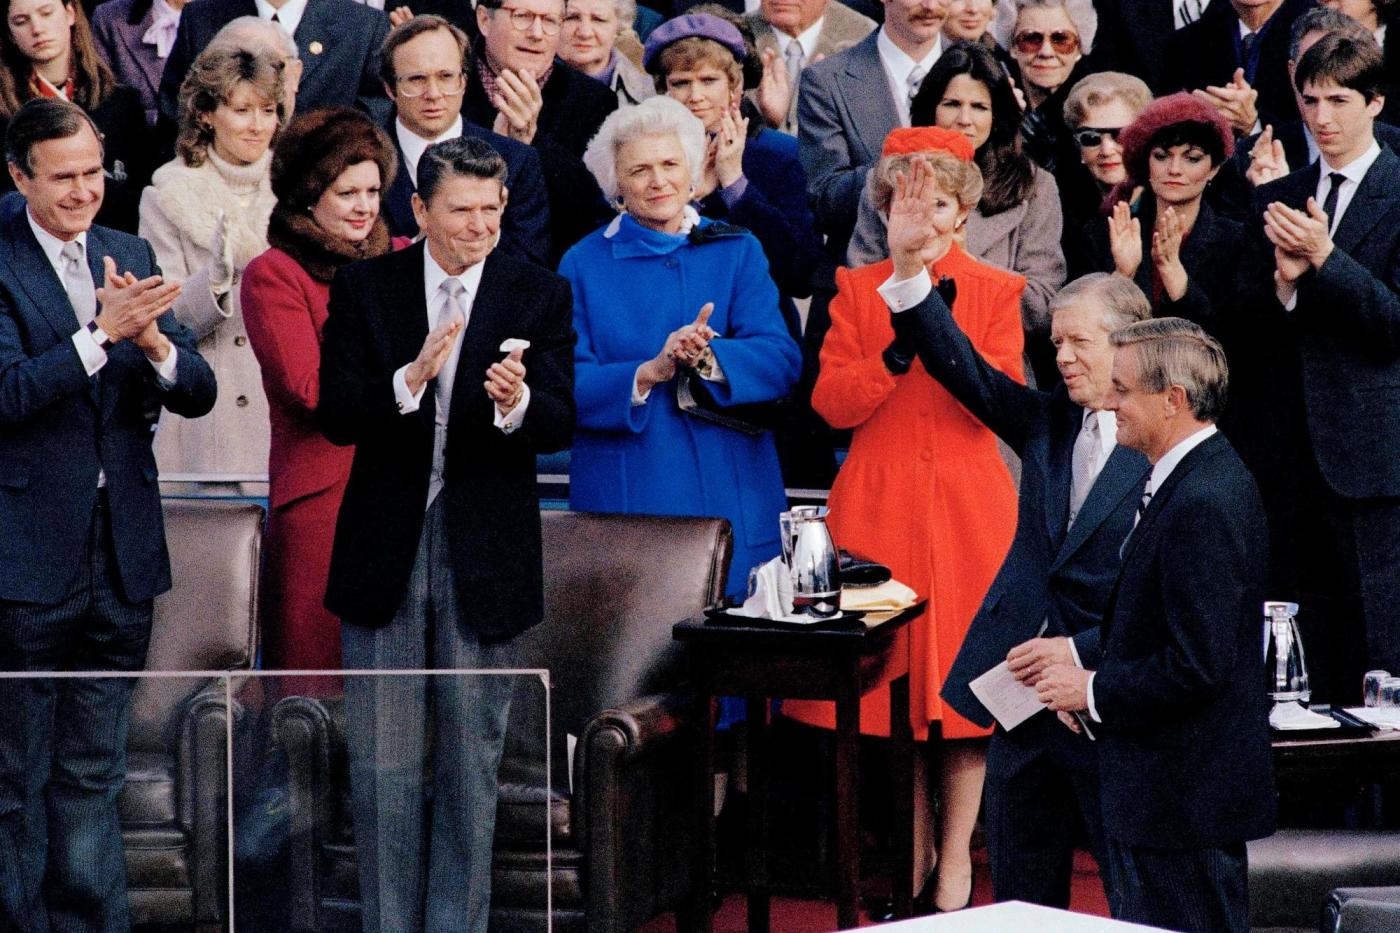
825,663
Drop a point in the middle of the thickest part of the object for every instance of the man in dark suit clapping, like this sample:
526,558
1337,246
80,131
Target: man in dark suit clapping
1177,702
88,357
449,366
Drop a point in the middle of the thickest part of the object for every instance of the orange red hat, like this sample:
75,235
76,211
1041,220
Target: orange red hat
906,140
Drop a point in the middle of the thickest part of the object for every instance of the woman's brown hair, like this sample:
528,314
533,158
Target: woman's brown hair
93,82
210,82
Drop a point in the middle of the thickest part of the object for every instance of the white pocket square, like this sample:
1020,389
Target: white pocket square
514,343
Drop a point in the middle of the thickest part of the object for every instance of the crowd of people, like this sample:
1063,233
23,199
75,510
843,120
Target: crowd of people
1138,260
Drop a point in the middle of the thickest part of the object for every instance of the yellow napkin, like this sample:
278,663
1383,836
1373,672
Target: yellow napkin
890,595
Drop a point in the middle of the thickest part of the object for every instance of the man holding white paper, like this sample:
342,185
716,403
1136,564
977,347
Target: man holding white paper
1078,496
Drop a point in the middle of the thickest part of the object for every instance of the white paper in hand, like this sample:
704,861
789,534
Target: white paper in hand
1005,697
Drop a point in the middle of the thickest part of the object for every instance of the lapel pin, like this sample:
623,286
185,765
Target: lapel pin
315,48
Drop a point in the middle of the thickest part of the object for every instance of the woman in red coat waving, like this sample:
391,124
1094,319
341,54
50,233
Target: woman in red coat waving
924,490
327,172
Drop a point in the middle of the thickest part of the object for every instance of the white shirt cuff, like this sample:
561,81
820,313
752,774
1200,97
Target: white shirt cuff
92,356
638,396
513,418
165,369
1089,693
901,296
1074,653
408,401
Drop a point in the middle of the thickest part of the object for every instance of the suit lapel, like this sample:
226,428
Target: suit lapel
479,348
867,97
1160,497
1123,475
404,307
39,281
131,34
1374,197
1058,477
314,30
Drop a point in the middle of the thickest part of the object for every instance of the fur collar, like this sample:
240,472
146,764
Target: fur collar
315,250
192,197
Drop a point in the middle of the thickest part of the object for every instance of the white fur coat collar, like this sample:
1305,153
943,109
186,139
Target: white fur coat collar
191,199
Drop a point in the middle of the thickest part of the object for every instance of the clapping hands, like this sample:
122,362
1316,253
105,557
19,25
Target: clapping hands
1266,160
684,346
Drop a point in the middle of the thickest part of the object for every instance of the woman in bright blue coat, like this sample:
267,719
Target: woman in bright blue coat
656,291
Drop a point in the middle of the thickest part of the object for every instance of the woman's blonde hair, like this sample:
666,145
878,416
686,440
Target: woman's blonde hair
211,82
963,180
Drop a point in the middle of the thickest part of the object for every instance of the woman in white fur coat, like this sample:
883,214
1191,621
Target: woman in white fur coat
205,215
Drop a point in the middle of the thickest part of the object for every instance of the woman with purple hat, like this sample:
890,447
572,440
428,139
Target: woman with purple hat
1160,230
752,177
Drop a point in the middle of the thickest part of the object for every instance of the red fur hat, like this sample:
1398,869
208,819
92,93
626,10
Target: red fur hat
910,139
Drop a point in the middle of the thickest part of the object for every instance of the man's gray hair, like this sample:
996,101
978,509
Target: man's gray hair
1173,351
656,116
1117,297
1323,19
255,34
1080,12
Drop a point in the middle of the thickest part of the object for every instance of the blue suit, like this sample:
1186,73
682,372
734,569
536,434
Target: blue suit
78,570
632,289
525,224
1041,778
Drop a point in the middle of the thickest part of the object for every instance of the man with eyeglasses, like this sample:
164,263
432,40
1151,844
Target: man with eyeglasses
424,65
1235,58
337,41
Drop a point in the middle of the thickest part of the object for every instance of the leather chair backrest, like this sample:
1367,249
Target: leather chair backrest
613,587
209,619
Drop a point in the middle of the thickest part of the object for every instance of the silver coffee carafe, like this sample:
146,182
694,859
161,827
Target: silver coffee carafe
1285,667
812,561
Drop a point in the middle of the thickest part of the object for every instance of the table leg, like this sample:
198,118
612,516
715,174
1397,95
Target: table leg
756,856
848,804
699,918
902,785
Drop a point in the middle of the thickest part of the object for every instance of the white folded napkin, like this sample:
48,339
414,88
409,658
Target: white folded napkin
772,595
1291,716
514,343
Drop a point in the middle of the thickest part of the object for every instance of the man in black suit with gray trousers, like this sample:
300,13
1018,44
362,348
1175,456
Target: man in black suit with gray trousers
1177,702
449,366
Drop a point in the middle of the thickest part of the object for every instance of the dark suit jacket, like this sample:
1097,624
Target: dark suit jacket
1210,256
1184,756
525,226
117,27
338,42
1346,330
1203,54
1050,573
1132,37
59,427
378,321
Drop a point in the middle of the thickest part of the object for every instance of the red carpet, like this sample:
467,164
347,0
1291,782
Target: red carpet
795,915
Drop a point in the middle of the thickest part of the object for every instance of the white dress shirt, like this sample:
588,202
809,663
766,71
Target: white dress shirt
1352,172
1160,471
898,65
413,146
289,14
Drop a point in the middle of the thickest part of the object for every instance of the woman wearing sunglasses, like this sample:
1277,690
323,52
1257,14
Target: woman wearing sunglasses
1016,224
1160,231
1097,110
1048,40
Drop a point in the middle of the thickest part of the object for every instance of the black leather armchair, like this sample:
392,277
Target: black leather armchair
1362,910
173,806
1293,874
620,820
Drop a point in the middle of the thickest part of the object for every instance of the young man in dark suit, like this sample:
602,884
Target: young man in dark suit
426,65
1185,767
1079,493
1332,306
436,560
88,357
337,40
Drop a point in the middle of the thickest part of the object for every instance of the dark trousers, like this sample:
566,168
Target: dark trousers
1041,792
435,877
63,750
1192,890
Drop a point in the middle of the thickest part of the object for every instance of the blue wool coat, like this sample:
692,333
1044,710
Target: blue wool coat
632,288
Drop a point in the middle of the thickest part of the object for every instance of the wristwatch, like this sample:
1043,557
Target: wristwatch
99,336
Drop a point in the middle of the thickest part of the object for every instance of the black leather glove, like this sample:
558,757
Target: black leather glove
898,356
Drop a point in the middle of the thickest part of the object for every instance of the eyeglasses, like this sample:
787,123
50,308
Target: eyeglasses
1062,41
450,83
1091,137
522,20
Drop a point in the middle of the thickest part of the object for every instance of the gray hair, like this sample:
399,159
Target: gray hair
1323,19
1173,351
1119,300
1080,12
656,116
254,34
1104,87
